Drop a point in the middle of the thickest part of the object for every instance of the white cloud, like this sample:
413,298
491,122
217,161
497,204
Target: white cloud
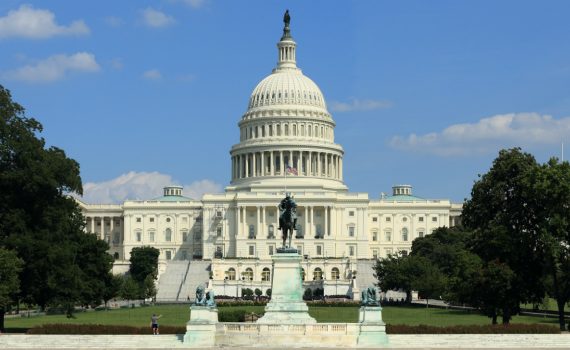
488,134
357,105
54,68
142,186
156,19
28,22
195,3
152,74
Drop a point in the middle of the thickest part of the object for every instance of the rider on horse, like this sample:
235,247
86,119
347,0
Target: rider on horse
287,204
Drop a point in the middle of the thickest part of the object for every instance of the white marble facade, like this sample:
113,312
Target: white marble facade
286,124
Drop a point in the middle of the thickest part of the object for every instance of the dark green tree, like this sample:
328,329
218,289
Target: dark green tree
552,194
258,292
144,262
308,294
398,272
113,285
504,218
38,218
268,292
130,289
149,288
10,267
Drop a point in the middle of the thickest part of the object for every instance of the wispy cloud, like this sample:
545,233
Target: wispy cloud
152,74
54,68
196,4
156,19
113,21
28,22
358,105
142,186
488,134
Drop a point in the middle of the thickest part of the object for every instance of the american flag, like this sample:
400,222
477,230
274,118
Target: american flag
292,170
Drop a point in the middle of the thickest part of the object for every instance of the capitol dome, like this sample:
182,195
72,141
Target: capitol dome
287,134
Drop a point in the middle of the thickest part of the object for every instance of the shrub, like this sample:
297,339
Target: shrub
308,295
100,329
474,329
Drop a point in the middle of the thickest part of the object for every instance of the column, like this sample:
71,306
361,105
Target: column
309,164
291,159
258,223
300,162
306,226
319,170
236,217
313,226
254,172
102,232
112,225
92,224
326,226
246,165
340,168
326,165
281,163
262,173
271,164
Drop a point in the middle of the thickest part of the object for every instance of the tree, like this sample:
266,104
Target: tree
268,292
429,282
38,218
144,262
130,289
258,292
503,215
10,267
149,288
247,294
113,285
551,185
308,294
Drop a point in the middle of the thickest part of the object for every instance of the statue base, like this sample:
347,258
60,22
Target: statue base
372,328
286,305
201,329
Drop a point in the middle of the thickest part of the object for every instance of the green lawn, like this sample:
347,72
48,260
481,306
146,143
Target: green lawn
178,315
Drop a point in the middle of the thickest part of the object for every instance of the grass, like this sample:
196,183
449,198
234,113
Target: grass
178,315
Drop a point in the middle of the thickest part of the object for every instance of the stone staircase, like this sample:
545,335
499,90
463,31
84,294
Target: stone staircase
170,281
198,274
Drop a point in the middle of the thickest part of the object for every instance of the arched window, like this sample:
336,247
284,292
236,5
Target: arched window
251,231
248,274
317,274
335,274
168,235
231,274
294,129
278,130
286,130
266,274
405,234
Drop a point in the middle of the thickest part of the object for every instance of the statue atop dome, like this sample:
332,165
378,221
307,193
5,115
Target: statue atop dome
287,21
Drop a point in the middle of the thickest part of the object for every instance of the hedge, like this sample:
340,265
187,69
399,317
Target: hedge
518,328
100,329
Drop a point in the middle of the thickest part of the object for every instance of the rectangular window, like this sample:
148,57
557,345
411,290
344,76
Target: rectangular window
270,250
151,219
421,234
139,238
138,219
151,236
219,231
300,249
388,252
168,255
375,219
319,250
434,219
351,213
351,231
375,253
388,219
388,236
184,236
251,250
375,236
421,219
351,250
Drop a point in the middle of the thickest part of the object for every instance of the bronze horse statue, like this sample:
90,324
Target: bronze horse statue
287,219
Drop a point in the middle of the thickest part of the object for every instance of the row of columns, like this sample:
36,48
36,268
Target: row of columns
272,163
101,234
287,129
309,226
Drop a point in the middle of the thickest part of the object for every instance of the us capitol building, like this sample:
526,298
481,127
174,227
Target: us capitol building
227,239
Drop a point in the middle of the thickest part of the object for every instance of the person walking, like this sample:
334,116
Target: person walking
154,324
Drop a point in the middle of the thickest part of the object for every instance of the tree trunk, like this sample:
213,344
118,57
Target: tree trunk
506,315
561,320
408,297
494,318
2,319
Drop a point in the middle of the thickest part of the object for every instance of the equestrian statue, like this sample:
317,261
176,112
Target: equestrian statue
287,218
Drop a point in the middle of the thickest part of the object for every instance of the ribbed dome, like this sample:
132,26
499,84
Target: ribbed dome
287,87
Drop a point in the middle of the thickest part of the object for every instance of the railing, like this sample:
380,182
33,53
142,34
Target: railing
302,329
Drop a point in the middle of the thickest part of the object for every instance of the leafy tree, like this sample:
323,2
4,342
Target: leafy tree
149,287
144,262
247,294
552,194
268,292
113,285
430,282
95,265
258,292
10,267
308,295
503,215
130,289
38,219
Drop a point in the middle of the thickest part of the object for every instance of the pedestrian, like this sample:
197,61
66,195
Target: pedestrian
154,324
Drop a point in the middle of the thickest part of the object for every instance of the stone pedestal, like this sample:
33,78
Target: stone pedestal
372,328
201,329
286,305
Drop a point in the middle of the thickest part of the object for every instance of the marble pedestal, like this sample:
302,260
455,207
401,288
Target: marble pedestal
201,329
372,329
286,305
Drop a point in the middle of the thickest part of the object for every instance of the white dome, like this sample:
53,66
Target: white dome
287,87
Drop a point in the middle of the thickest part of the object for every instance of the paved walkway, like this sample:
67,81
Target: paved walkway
149,342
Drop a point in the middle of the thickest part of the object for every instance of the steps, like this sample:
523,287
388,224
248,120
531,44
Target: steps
198,274
180,279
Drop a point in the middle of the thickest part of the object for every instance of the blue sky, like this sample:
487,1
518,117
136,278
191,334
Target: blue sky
143,93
